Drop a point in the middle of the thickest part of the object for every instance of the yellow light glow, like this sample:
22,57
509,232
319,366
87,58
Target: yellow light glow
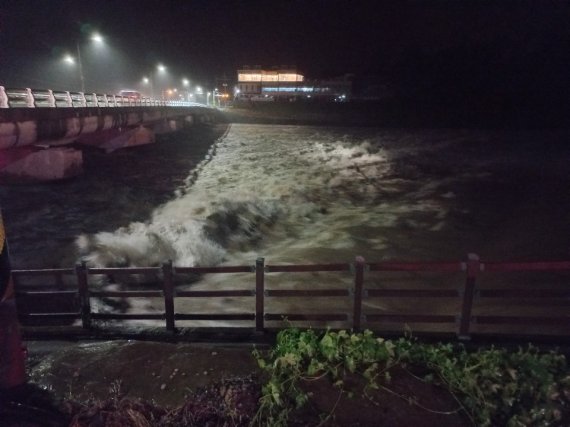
249,77
270,77
290,78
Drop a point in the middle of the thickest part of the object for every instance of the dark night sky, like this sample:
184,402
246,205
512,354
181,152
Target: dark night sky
205,39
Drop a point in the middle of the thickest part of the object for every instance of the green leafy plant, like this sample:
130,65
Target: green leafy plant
499,387
304,355
494,387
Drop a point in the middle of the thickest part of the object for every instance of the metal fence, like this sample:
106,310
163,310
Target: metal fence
47,98
359,293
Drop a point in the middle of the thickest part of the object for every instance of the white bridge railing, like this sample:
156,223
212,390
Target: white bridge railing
47,98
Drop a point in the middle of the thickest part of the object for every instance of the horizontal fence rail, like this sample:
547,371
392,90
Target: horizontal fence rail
47,98
465,295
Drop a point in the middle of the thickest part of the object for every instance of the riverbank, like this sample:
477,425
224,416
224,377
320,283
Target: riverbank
395,113
132,381
304,378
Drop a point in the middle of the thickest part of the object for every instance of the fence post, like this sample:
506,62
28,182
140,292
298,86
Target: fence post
82,283
30,101
473,266
359,264
3,98
259,293
168,290
51,99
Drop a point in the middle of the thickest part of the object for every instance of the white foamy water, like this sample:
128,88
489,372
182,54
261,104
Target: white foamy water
299,194
289,193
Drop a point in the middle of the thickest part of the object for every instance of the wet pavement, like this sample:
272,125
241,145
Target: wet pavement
158,371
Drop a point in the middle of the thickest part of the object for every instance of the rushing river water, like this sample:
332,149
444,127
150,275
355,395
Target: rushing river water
301,194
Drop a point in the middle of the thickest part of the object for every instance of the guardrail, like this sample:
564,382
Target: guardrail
47,98
465,295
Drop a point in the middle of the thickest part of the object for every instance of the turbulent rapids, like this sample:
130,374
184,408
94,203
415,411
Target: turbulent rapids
309,194
303,194
259,189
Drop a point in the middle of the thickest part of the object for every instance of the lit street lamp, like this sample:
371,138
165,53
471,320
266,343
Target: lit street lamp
186,84
199,92
69,59
214,94
97,39
147,81
160,69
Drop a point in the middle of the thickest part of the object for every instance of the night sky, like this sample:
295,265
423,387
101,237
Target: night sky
412,43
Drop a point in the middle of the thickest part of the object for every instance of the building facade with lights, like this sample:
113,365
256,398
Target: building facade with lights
285,83
255,83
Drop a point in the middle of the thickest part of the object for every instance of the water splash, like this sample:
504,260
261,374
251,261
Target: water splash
267,187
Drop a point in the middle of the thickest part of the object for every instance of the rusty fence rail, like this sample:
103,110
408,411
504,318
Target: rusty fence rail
472,268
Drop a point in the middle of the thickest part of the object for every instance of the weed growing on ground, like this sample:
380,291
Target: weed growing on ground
493,386
304,355
498,387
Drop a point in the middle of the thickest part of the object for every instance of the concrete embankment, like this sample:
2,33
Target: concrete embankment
31,139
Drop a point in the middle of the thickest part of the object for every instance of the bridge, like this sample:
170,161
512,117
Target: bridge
36,126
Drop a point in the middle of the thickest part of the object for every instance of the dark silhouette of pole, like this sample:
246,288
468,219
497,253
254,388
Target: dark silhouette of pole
80,68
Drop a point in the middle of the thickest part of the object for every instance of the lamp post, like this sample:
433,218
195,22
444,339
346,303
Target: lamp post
69,59
186,84
153,78
160,68
148,81
81,77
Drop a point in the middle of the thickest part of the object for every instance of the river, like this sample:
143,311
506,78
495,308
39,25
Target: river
301,194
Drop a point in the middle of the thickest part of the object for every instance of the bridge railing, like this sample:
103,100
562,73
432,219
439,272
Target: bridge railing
364,303
47,98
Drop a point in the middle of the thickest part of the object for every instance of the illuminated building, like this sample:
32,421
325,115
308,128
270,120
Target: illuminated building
255,83
286,83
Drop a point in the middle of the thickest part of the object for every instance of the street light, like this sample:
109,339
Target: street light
153,78
97,38
198,91
160,69
68,59
147,81
186,84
